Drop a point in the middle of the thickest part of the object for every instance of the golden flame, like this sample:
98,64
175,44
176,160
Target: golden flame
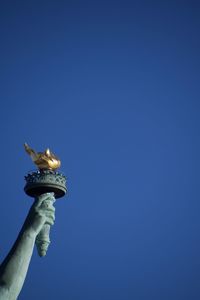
43,160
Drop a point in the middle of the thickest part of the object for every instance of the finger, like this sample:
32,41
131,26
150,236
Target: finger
46,205
47,196
50,209
44,197
50,215
45,212
50,221
39,200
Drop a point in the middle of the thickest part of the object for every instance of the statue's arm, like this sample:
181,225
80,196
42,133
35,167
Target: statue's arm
14,268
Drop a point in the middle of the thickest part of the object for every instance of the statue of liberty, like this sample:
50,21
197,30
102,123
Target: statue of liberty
45,185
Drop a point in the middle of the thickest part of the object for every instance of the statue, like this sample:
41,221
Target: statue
45,185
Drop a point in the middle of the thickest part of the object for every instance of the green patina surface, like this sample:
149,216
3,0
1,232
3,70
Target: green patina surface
44,187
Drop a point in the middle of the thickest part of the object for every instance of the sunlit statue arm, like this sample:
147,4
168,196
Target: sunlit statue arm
14,268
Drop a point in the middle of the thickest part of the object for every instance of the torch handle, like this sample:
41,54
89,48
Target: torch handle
42,240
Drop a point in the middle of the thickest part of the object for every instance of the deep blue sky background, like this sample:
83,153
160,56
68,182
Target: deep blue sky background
113,88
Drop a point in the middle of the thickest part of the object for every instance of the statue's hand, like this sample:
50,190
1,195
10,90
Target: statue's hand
42,212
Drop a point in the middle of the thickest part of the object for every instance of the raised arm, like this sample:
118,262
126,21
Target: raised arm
14,268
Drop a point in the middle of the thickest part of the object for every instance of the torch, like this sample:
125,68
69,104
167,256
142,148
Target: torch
46,179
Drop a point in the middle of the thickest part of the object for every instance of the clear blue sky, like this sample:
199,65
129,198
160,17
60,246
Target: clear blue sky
113,88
